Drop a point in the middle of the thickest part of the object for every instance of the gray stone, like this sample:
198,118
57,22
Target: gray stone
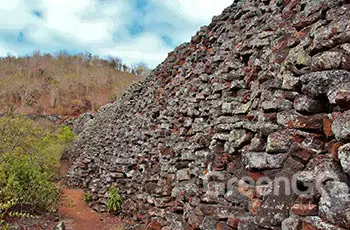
276,205
304,104
183,174
280,141
209,223
334,206
344,157
82,122
262,160
319,84
326,61
291,223
341,126
316,222
290,82
60,226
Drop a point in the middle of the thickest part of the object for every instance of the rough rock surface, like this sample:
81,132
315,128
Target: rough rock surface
262,92
79,124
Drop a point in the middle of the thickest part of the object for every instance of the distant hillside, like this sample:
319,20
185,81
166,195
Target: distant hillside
62,84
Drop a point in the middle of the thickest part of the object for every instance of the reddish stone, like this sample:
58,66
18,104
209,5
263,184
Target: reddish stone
295,120
154,225
205,171
270,117
195,221
233,222
327,127
251,76
307,226
301,152
140,217
208,210
335,115
221,161
333,147
343,98
255,175
293,164
190,131
222,226
304,200
254,206
247,191
181,62
305,209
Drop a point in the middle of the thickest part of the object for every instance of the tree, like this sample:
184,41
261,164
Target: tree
141,69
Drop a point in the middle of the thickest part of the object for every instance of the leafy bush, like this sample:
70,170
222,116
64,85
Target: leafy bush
114,200
29,157
87,197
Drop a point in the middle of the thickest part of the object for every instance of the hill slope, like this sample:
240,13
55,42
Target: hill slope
263,92
61,84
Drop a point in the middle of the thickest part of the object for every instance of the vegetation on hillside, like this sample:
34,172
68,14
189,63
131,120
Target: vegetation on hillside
29,158
62,84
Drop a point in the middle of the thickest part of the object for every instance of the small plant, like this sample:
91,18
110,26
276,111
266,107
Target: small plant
65,135
114,200
87,197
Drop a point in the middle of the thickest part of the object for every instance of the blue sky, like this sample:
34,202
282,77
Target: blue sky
134,30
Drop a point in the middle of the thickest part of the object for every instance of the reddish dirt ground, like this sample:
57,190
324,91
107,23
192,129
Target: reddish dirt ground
77,215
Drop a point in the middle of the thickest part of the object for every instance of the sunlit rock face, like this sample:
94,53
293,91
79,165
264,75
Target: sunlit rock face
263,92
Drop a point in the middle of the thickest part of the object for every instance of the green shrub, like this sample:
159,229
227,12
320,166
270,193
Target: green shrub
29,157
114,200
65,135
87,197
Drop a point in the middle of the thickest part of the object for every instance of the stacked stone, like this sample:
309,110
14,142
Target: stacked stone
263,91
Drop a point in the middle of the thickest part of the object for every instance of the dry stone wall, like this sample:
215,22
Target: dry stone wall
262,92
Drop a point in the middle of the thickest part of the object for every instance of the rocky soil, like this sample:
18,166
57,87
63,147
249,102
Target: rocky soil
262,92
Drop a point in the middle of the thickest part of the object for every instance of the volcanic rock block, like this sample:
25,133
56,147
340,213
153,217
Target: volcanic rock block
81,122
291,119
291,223
276,205
263,160
344,157
334,204
326,61
303,104
321,84
341,126
280,141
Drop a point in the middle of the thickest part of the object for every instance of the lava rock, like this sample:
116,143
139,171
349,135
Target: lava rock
344,157
341,126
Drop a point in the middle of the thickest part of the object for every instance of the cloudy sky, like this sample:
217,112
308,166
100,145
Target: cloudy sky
135,30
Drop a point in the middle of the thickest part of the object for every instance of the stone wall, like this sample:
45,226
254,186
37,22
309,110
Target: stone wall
263,91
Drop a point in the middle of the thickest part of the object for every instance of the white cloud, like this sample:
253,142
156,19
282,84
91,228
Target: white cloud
200,10
147,48
4,50
101,26
10,5
66,17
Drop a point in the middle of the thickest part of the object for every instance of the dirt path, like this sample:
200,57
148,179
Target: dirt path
77,215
